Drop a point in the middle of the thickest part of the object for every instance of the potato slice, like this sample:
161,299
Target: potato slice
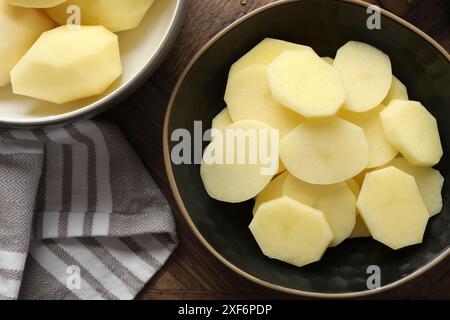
336,201
367,75
360,230
115,15
429,181
248,96
222,121
290,231
391,205
240,174
265,52
303,82
19,29
381,151
328,60
67,64
397,91
413,131
271,191
35,3
325,151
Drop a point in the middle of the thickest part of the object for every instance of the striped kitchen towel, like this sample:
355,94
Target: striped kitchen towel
80,217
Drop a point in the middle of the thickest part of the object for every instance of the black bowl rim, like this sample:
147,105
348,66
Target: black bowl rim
180,203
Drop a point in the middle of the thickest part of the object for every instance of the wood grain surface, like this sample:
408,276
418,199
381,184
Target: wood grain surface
192,272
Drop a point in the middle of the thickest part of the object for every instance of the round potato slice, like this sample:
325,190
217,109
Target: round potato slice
232,169
367,75
271,191
248,96
336,201
381,151
303,82
429,181
391,205
265,52
397,91
325,151
290,231
413,131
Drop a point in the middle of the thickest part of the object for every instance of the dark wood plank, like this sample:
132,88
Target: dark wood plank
192,272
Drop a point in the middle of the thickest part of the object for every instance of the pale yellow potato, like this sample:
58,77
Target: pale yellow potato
35,3
248,96
381,151
429,181
271,191
19,29
413,131
367,75
360,230
303,82
222,121
265,52
325,151
115,15
242,176
392,207
67,64
290,231
397,91
336,201
328,60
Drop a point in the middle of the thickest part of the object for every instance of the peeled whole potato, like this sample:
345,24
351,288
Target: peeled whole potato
397,91
115,15
336,201
230,180
413,131
303,82
392,207
67,64
272,191
19,29
222,121
265,52
429,181
381,151
290,231
367,75
248,96
35,3
325,151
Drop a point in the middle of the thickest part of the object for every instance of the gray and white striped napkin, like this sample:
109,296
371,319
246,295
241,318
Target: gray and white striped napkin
80,217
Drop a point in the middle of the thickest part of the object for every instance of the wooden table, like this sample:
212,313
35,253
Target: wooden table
192,272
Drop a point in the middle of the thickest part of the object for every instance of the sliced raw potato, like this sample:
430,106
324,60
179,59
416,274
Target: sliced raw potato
232,170
392,207
271,191
413,131
290,231
303,82
360,230
397,91
336,201
325,151
265,52
429,181
115,15
328,60
248,96
35,3
19,29
367,75
222,121
67,64
381,151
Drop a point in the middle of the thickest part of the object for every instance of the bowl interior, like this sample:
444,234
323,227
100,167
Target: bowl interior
324,25
139,47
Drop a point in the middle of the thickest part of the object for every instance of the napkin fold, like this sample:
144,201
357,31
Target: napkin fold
80,217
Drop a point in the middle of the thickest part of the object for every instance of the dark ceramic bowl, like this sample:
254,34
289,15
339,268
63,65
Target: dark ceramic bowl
324,25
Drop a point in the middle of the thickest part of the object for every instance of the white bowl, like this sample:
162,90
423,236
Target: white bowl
142,49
